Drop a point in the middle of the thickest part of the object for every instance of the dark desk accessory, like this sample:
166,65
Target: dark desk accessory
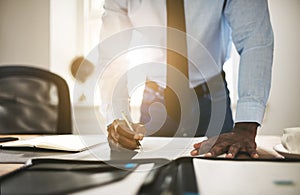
176,178
50,176
8,139
57,176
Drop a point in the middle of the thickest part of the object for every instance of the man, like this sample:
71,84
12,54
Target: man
210,27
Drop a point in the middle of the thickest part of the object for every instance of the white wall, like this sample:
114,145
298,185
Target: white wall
39,32
24,32
64,36
284,103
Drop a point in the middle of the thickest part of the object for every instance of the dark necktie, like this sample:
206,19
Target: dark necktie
175,41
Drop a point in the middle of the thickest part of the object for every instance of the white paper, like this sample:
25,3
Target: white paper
167,147
216,177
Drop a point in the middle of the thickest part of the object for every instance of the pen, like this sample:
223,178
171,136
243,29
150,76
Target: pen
130,127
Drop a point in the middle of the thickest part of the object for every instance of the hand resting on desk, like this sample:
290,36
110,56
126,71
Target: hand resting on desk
120,136
240,140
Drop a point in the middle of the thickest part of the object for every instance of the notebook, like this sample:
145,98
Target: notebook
70,143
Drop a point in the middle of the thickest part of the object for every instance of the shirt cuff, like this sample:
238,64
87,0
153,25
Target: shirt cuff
249,112
112,113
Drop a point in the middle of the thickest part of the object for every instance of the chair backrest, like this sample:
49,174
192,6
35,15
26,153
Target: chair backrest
33,100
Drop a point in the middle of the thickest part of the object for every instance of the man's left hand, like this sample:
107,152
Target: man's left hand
241,139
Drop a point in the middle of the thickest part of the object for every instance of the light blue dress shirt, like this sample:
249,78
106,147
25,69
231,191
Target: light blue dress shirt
212,26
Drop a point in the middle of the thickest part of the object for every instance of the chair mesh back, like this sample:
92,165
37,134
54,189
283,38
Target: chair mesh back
33,100
28,105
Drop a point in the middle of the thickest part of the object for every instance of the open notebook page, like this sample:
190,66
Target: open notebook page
72,143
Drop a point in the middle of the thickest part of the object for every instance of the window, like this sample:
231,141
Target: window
231,69
92,12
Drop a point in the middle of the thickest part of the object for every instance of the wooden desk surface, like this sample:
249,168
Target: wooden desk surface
5,167
265,146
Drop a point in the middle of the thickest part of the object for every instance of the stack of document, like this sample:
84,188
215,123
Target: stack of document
230,177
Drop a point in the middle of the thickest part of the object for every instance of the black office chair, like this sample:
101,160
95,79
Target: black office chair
33,101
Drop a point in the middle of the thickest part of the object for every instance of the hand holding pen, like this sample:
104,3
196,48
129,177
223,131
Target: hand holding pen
130,127
124,134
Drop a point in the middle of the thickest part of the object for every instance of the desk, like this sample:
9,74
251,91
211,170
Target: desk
265,149
135,179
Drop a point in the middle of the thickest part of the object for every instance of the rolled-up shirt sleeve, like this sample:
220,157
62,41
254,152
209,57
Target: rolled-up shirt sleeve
252,35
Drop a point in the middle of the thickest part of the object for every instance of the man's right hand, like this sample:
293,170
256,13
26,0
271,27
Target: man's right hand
121,137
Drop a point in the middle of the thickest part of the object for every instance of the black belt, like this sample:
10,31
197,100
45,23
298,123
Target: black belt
201,90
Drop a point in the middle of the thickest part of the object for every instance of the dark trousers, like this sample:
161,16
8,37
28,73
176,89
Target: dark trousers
159,123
